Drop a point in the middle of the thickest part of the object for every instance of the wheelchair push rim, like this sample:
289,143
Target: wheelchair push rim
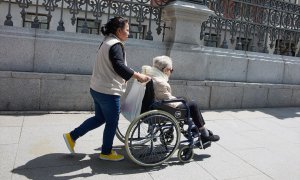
121,131
152,138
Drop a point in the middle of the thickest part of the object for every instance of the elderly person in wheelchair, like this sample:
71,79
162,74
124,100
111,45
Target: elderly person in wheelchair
153,137
160,73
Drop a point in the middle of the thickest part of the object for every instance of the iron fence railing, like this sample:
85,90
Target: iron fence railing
139,11
253,25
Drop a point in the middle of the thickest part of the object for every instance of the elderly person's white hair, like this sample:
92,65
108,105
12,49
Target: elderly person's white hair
162,62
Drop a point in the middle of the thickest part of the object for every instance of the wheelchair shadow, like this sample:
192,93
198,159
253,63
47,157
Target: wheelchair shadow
63,166
173,161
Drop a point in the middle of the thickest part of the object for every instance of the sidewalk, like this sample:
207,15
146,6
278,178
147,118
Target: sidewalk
256,144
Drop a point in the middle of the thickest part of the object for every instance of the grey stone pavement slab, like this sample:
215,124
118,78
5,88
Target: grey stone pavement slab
256,144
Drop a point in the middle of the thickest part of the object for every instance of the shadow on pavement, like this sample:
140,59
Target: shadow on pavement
63,166
279,113
282,113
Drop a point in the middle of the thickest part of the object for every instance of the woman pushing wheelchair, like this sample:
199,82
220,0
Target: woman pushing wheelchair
160,72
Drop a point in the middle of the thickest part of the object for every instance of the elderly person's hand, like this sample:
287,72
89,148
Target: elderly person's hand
141,77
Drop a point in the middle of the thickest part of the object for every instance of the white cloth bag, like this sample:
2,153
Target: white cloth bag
132,104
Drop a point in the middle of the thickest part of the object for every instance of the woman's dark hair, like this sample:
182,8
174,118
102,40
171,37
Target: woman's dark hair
113,24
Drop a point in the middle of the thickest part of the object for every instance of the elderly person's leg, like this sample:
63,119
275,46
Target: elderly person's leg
199,122
196,114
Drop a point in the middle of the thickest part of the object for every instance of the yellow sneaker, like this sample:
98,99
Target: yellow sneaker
113,156
69,142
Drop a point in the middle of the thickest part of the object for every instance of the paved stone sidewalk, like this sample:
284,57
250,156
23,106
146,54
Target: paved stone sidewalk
256,144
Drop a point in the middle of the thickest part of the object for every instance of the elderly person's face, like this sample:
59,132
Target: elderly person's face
168,71
164,64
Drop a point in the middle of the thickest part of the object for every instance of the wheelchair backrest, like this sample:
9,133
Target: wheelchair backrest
149,96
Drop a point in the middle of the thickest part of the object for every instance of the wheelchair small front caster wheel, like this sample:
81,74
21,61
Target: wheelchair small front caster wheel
185,154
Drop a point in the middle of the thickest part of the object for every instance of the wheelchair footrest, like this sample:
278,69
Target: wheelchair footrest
204,144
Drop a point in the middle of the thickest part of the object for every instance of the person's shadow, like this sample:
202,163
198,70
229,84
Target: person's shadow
66,166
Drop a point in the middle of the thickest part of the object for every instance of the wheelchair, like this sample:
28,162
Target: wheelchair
154,136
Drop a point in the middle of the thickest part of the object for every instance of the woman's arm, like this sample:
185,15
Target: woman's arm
117,57
141,77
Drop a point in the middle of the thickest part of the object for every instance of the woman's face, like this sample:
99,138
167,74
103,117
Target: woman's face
122,33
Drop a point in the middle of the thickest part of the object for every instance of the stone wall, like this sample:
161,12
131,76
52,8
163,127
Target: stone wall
57,92
31,50
50,70
44,91
35,50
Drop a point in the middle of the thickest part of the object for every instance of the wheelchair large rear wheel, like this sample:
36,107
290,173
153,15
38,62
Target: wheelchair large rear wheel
152,138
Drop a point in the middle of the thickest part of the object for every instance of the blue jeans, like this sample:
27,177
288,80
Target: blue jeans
107,109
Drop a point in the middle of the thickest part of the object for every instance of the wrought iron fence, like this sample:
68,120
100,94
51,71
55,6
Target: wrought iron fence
140,11
253,25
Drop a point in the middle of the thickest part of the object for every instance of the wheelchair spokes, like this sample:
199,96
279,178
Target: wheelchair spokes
121,129
152,138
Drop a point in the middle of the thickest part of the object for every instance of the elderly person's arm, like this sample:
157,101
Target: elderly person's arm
163,91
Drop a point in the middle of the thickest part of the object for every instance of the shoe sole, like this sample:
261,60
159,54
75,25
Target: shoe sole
106,159
67,143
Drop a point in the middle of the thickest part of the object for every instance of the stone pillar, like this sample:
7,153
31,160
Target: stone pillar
183,39
185,20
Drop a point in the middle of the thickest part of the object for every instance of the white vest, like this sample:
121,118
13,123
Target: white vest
105,79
